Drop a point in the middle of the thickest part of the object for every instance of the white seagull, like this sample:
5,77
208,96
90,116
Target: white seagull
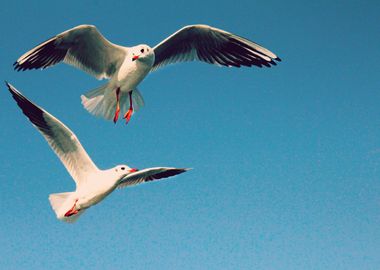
92,184
85,48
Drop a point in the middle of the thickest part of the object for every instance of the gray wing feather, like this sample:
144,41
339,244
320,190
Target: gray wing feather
150,174
213,46
60,138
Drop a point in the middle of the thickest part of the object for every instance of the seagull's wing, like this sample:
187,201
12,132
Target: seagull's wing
211,45
60,138
83,47
149,174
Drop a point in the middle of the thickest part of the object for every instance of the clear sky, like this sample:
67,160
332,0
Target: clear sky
286,160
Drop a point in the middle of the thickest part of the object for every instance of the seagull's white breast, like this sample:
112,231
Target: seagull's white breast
130,74
96,189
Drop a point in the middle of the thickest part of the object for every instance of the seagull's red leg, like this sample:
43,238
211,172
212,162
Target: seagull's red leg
72,211
129,113
117,105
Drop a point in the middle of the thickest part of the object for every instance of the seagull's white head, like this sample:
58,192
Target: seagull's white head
120,171
143,53
124,170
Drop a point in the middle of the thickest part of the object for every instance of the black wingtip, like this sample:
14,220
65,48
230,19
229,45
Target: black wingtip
17,66
167,173
182,170
278,59
15,93
31,110
10,87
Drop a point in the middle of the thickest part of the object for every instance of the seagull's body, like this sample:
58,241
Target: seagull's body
85,47
92,183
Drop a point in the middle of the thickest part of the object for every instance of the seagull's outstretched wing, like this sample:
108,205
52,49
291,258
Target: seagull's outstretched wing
211,45
61,139
83,47
149,174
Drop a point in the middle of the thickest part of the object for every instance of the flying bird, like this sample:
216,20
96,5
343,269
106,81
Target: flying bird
86,48
92,183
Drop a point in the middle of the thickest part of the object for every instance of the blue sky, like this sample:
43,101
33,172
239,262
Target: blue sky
286,160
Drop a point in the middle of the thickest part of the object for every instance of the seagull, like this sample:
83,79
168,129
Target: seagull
84,47
92,184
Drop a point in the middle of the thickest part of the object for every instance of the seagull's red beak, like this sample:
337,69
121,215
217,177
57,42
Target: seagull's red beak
133,170
135,57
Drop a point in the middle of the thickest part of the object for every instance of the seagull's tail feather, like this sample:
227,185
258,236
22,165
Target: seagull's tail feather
61,203
101,101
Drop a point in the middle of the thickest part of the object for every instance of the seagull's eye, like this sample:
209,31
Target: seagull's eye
123,168
142,50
